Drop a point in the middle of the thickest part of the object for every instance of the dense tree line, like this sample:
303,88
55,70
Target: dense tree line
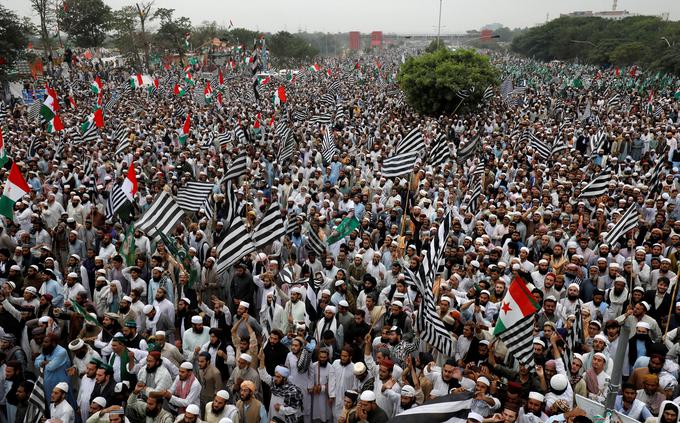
638,40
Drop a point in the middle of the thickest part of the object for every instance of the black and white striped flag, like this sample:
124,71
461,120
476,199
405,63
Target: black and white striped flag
192,196
223,139
467,150
287,148
464,93
506,88
629,220
487,94
116,200
451,408
540,146
236,245
475,192
270,227
413,141
325,118
237,168
428,324
299,116
327,99
440,152
614,101
37,407
240,135
162,216
399,165
314,243
328,148
598,186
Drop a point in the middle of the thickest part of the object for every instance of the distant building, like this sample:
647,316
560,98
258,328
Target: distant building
615,15
354,40
376,39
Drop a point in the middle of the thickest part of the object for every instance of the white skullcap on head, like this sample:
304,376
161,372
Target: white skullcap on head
100,401
368,396
244,304
245,357
62,386
574,285
330,308
643,325
193,409
408,391
196,320
147,309
187,366
160,333
536,396
223,394
283,371
158,268
296,290
484,380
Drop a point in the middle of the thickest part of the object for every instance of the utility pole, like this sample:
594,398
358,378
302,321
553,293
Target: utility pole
439,25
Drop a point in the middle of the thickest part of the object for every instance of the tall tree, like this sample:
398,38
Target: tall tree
144,14
46,14
86,22
125,36
171,34
13,39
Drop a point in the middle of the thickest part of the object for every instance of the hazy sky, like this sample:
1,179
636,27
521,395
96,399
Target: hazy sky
400,16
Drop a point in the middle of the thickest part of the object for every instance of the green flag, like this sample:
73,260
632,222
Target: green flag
78,309
127,249
345,228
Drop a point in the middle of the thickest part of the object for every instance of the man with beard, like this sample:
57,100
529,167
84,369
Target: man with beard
60,409
54,361
532,412
12,378
597,307
659,299
442,381
249,408
363,381
209,378
386,386
286,398
638,314
159,280
340,379
294,309
154,376
133,339
218,409
397,317
243,371
538,275
194,338
155,321
11,351
242,287
102,296
272,315
83,354
399,349
407,399
568,305
149,411
298,360
104,384
184,390
126,312
191,415
163,303
219,315
616,297
87,384
649,394
319,373
132,274
124,360
329,322
627,404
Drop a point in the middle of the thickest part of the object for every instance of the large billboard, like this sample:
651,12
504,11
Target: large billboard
355,40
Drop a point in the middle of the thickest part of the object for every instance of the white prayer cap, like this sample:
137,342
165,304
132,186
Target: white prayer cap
574,285
158,268
368,396
579,357
147,309
246,357
76,344
72,275
296,290
475,416
330,308
244,304
196,320
160,333
408,391
127,298
193,409
187,366
484,380
100,401
223,394
601,338
643,325
397,303
536,396
538,341
62,386
602,356
283,371
343,303
447,299
359,368
326,291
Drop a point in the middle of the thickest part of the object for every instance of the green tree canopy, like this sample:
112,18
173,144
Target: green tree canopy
431,81
13,41
86,22
634,40
124,35
286,46
172,32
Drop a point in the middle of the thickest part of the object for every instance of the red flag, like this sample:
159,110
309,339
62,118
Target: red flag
219,97
328,71
65,7
221,78
57,124
633,71
99,118
617,72
257,121
155,83
72,101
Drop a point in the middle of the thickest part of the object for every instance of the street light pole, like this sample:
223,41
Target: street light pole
439,25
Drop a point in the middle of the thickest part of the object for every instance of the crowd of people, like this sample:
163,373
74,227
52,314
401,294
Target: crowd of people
156,339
